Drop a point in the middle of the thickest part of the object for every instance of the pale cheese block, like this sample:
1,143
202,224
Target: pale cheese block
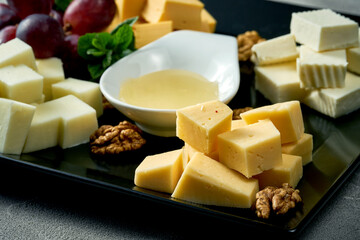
336,102
251,149
321,69
324,30
78,121
15,120
53,72
290,170
44,128
279,82
148,32
301,147
199,125
287,118
206,181
185,14
275,50
89,92
15,52
21,83
160,172
353,58
237,123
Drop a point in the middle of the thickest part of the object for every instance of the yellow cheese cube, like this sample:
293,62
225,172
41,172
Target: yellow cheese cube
15,52
321,69
208,22
290,170
279,82
15,120
52,71
21,83
44,128
275,50
185,14
252,149
209,182
301,147
200,124
237,123
189,151
89,92
160,172
147,32
286,116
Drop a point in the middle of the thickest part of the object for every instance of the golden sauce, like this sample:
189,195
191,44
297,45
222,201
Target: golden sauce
168,89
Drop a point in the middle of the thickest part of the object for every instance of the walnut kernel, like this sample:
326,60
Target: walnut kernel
245,42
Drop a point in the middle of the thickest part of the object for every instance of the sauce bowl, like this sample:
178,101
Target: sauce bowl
212,55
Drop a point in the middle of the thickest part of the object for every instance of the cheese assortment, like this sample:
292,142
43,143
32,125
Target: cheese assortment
320,76
160,17
32,118
247,156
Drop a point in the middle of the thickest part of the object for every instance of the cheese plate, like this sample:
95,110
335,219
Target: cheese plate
335,155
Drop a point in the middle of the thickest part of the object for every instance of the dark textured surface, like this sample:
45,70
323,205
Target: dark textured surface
38,206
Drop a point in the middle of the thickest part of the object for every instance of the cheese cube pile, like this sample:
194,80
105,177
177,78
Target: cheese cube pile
324,72
36,115
160,17
245,155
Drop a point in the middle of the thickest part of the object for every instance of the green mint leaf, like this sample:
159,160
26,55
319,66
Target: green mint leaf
85,43
107,61
123,38
95,70
129,21
95,52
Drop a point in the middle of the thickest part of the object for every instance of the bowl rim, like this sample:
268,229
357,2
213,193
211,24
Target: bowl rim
112,99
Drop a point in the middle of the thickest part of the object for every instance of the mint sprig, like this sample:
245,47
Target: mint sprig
103,49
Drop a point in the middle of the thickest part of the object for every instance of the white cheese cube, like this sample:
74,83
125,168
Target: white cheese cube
15,120
21,83
276,50
336,102
321,69
324,30
52,71
78,121
279,82
353,58
89,92
15,52
44,129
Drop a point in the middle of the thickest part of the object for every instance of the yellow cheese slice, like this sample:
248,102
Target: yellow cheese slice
148,32
209,182
301,147
160,172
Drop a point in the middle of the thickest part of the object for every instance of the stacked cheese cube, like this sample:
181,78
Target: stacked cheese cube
160,17
225,162
321,72
39,107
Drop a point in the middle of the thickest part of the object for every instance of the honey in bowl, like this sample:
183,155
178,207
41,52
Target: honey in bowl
168,89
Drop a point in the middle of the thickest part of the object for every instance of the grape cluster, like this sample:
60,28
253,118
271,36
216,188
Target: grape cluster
52,32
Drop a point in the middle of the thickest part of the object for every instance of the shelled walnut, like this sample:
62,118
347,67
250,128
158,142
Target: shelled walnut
279,200
245,42
238,111
110,139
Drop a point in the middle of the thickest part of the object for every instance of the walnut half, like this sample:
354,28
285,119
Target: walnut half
280,200
245,42
110,139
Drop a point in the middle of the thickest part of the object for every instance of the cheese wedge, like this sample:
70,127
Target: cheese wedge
160,172
148,32
302,147
290,170
324,30
237,123
276,50
336,102
279,82
251,149
15,120
286,116
15,52
206,181
208,22
52,71
199,125
21,83
88,92
321,70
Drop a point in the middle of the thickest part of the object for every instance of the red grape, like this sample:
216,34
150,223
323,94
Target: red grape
83,16
7,16
24,8
43,33
7,33
58,16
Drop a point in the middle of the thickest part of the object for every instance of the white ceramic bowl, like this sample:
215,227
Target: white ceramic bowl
214,56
